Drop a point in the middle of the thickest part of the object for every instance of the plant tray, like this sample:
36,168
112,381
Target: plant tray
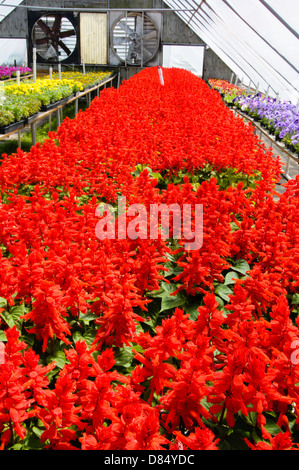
54,105
31,118
12,127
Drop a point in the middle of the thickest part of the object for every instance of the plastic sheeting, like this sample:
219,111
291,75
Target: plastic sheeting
13,51
257,39
186,57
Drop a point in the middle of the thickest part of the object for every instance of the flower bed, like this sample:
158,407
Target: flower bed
16,108
48,91
11,72
226,89
88,79
136,343
280,118
21,101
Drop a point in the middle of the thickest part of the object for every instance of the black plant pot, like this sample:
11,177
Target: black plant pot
48,107
12,127
30,119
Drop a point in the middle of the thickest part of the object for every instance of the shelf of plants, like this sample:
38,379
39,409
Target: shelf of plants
279,118
23,101
9,73
135,342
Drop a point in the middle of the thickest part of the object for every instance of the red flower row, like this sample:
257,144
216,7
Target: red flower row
90,351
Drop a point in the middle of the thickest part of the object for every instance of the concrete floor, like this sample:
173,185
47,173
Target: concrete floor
289,166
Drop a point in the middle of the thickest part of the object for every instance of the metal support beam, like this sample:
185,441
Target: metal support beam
33,133
260,58
277,16
261,37
232,53
195,11
99,10
76,106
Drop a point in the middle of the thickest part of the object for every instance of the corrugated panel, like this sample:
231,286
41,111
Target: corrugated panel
94,38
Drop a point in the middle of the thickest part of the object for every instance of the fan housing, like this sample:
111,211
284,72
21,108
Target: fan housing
134,39
55,37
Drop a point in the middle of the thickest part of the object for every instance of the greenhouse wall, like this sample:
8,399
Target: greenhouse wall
16,23
214,67
173,31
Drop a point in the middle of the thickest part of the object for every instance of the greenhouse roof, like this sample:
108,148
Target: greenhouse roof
7,6
257,39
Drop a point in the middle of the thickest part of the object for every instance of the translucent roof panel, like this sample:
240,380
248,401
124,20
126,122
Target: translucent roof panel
7,6
257,39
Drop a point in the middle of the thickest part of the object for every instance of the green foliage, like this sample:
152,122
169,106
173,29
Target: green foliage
15,108
226,177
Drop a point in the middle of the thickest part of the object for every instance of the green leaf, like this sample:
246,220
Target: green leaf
3,336
173,270
295,299
17,446
223,291
241,266
219,301
59,358
272,427
167,288
230,278
168,301
124,357
89,336
12,317
224,445
8,319
87,317
153,314
171,302
192,310
77,336
37,431
33,441
251,418
3,303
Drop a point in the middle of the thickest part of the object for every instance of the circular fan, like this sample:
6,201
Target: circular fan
134,39
54,37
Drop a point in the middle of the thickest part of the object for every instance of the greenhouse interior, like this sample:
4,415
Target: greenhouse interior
149,229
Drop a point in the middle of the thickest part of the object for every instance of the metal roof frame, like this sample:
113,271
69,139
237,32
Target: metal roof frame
281,74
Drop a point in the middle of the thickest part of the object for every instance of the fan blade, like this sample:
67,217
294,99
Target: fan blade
125,27
57,24
151,35
64,47
67,34
139,25
44,27
119,41
146,53
41,41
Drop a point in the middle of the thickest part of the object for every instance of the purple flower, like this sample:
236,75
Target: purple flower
8,72
282,115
